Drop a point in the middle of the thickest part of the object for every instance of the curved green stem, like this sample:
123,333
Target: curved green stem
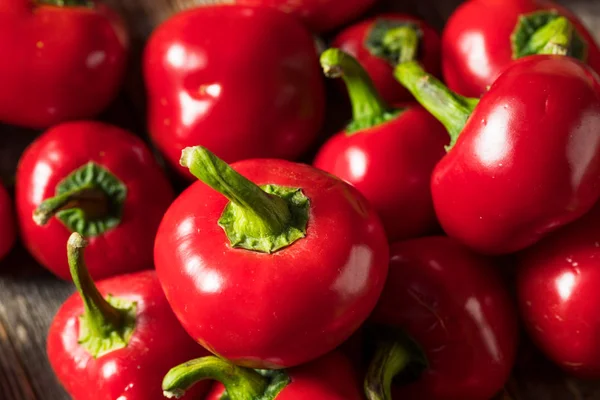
368,108
267,214
241,383
390,359
451,109
92,200
260,219
103,326
402,41
553,38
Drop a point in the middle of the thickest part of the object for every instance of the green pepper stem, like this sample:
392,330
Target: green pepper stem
390,359
554,38
263,214
367,104
102,319
451,109
404,41
241,383
89,198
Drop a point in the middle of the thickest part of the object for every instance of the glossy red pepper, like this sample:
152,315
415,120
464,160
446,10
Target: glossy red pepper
459,319
558,281
265,98
67,60
116,340
380,42
317,15
283,274
100,181
7,223
387,153
330,377
526,157
483,37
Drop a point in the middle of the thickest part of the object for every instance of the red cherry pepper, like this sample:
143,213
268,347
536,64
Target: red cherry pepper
387,153
263,99
318,15
7,223
67,60
379,43
459,319
284,273
557,283
100,181
118,346
330,377
526,158
483,37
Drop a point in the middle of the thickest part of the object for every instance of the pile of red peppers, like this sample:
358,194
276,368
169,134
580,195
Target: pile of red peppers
393,259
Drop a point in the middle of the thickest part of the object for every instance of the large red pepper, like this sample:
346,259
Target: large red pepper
330,377
318,15
7,223
116,340
279,274
387,153
447,329
264,97
100,181
558,281
379,43
525,158
67,60
483,37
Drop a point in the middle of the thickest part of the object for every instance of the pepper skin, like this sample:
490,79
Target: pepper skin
7,223
476,42
454,306
263,99
353,40
276,307
557,283
527,159
330,377
120,241
66,61
133,369
318,15
389,156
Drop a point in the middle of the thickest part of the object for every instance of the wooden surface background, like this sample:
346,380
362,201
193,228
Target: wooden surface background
29,296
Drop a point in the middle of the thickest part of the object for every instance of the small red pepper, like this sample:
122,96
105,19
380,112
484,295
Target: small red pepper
387,153
557,282
447,328
318,15
263,98
100,181
524,160
330,377
483,37
278,275
67,60
7,223
116,340
379,43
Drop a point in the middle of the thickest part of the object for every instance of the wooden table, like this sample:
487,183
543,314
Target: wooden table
29,296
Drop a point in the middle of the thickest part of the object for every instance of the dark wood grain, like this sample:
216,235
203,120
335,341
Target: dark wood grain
30,296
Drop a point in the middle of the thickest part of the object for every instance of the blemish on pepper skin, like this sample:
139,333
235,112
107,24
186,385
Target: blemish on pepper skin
167,121
39,44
